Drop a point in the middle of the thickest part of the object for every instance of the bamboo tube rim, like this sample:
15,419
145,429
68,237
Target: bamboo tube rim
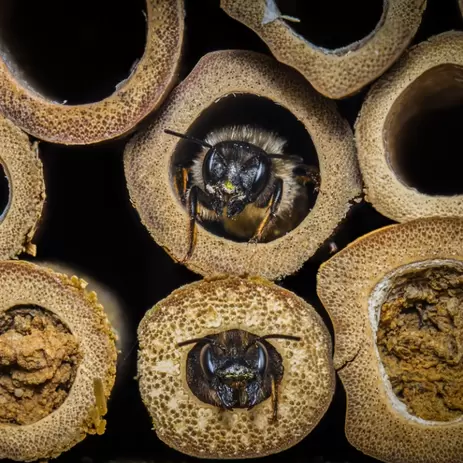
116,115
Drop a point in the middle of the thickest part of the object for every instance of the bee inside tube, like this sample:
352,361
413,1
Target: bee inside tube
252,180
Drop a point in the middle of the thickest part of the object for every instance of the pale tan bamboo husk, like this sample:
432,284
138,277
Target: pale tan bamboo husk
460,4
440,55
24,173
147,162
141,93
81,413
351,287
210,306
335,73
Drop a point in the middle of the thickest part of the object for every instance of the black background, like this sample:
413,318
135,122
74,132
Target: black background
90,225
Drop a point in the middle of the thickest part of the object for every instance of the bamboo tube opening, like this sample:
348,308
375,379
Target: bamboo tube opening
419,334
53,335
272,91
39,361
113,306
4,191
72,52
239,110
408,133
423,132
82,73
339,47
187,408
334,24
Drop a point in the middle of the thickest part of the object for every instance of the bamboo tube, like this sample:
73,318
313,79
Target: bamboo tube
209,98
23,170
206,308
56,335
408,130
394,357
142,92
340,72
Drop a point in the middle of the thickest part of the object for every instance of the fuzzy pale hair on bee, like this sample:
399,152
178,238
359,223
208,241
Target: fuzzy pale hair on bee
270,142
243,178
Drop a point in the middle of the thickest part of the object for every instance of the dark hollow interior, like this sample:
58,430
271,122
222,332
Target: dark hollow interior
72,52
423,132
333,24
247,109
4,191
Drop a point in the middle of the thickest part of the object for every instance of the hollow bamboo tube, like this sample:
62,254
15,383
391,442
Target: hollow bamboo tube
213,306
426,80
353,286
141,93
82,412
24,173
148,165
340,72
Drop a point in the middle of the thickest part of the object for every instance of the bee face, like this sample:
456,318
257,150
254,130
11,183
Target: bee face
234,369
235,173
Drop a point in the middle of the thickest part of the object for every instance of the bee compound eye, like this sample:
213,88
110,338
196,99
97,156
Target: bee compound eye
258,355
261,168
262,358
214,166
206,362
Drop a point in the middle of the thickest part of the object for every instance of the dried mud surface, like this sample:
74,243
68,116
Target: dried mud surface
420,342
38,363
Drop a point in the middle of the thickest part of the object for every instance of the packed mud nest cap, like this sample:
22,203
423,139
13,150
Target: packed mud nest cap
57,362
224,316
150,80
395,299
408,133
244,89
39,359
338,72
420,341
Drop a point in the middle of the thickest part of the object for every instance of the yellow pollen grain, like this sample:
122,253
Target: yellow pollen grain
228,185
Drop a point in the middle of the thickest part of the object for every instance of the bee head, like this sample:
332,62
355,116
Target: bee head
236,173
234,365
234,368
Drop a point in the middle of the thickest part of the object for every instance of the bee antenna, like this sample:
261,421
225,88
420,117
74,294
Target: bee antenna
274,336
197,340
189,138
280,336
193,341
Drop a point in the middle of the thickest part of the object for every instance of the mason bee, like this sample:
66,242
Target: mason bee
235,369
243,178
